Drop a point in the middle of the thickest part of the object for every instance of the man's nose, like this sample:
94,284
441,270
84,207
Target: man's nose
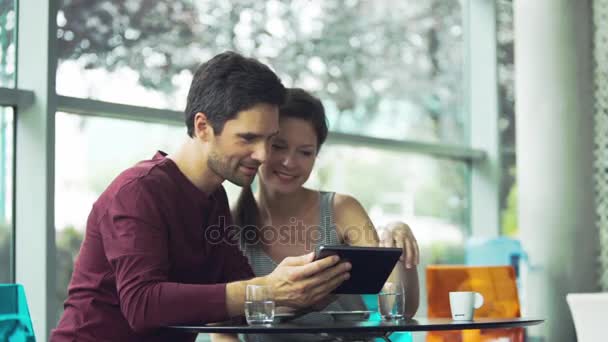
260,152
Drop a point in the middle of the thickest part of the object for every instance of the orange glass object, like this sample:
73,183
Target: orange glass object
496,284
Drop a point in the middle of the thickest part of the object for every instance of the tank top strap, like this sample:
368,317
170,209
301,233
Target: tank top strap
327,224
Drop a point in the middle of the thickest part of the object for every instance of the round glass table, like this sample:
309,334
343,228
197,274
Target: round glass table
357,330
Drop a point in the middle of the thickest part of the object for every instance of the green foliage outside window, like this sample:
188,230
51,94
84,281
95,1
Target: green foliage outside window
394,65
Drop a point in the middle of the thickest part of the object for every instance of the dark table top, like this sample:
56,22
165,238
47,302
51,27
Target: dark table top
418,324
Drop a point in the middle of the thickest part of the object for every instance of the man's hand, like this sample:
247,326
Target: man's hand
323,303
301,282
399,234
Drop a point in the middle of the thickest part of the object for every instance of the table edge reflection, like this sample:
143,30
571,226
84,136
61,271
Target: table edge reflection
416,324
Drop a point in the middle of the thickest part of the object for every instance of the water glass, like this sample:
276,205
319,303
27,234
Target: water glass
259,304
391,301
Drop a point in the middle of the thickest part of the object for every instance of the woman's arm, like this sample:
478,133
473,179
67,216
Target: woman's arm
399,234
356,229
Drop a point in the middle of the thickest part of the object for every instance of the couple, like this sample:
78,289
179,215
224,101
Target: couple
145,263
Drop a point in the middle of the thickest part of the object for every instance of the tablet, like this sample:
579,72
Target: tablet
371,266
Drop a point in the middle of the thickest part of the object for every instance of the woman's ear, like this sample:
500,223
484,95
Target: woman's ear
202,127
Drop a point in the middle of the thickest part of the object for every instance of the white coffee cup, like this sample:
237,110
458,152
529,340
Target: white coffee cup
462,305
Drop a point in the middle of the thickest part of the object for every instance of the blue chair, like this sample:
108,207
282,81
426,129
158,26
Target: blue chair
371,302
15,321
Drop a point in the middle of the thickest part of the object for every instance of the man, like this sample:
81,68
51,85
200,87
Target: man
145,261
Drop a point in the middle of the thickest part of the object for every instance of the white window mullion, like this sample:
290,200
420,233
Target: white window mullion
482,103
35,150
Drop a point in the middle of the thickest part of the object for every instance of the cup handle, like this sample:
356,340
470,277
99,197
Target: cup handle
478,300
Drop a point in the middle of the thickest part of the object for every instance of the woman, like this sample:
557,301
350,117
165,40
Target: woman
296,219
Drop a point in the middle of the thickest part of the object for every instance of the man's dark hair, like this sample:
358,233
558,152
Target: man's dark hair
227,84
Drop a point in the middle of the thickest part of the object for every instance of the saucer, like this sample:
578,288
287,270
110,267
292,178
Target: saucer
348,316
284,317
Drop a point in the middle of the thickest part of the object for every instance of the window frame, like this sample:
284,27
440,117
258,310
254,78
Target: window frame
36,102
8,103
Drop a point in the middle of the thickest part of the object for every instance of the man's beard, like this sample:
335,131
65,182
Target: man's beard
222,168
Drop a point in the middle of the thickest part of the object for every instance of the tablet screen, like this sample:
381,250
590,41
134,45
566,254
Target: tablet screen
371,266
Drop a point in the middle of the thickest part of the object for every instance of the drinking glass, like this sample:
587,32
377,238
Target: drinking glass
391,301
259,304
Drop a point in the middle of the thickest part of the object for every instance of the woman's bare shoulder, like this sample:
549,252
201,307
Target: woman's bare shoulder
344,203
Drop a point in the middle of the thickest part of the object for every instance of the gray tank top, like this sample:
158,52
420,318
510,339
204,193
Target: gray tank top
262,264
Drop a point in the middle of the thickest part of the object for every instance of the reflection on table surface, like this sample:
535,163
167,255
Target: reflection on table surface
418,324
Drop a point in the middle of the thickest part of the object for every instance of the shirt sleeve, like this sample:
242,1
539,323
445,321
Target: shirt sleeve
136,245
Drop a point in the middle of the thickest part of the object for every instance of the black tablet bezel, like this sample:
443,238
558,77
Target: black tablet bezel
371,266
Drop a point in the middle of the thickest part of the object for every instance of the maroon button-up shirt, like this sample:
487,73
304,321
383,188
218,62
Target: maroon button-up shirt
147,260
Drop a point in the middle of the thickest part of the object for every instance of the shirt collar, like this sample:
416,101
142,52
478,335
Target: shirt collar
191,190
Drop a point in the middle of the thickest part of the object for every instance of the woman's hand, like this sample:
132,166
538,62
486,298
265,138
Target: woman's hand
399,234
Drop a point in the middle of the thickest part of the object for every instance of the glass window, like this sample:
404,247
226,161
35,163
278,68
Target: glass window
6,194
395,66
506,72
508,196
506,91
7,79
89,153
430,194
8,31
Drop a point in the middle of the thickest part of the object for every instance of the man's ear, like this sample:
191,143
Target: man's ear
202,127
